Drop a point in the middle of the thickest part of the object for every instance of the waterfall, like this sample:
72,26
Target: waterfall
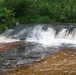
45,34
49,37
43,40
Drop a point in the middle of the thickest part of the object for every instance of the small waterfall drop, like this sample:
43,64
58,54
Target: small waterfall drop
43,40
49,37
45,34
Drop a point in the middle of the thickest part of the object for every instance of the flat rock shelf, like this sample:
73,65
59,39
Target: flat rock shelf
10,46
60,63
38,49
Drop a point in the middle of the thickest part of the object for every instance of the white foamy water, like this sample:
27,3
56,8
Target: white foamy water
5,39
37,34
49,38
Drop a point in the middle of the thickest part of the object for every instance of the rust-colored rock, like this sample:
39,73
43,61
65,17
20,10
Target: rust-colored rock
9,46
62,63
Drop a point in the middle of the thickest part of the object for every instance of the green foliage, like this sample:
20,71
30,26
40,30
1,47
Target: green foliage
20,7
44,19
43,10
36,11
6,18
3,27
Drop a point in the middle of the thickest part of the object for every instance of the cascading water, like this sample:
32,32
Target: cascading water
49,37
44,34
44,39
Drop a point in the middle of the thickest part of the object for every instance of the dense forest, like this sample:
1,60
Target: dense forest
39,11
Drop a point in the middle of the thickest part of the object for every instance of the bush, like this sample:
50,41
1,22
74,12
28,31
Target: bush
20,7
7,17
3,27
44,19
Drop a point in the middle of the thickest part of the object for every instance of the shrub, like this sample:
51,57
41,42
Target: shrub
7,17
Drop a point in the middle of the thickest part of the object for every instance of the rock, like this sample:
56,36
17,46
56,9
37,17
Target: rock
9,46
58,64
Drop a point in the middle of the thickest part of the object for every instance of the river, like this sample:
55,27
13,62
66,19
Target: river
43,41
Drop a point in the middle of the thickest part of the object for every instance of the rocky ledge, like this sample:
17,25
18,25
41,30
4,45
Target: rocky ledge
9,46
62,63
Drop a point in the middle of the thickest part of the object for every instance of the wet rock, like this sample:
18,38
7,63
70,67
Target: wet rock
58,64
10,46
13,55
